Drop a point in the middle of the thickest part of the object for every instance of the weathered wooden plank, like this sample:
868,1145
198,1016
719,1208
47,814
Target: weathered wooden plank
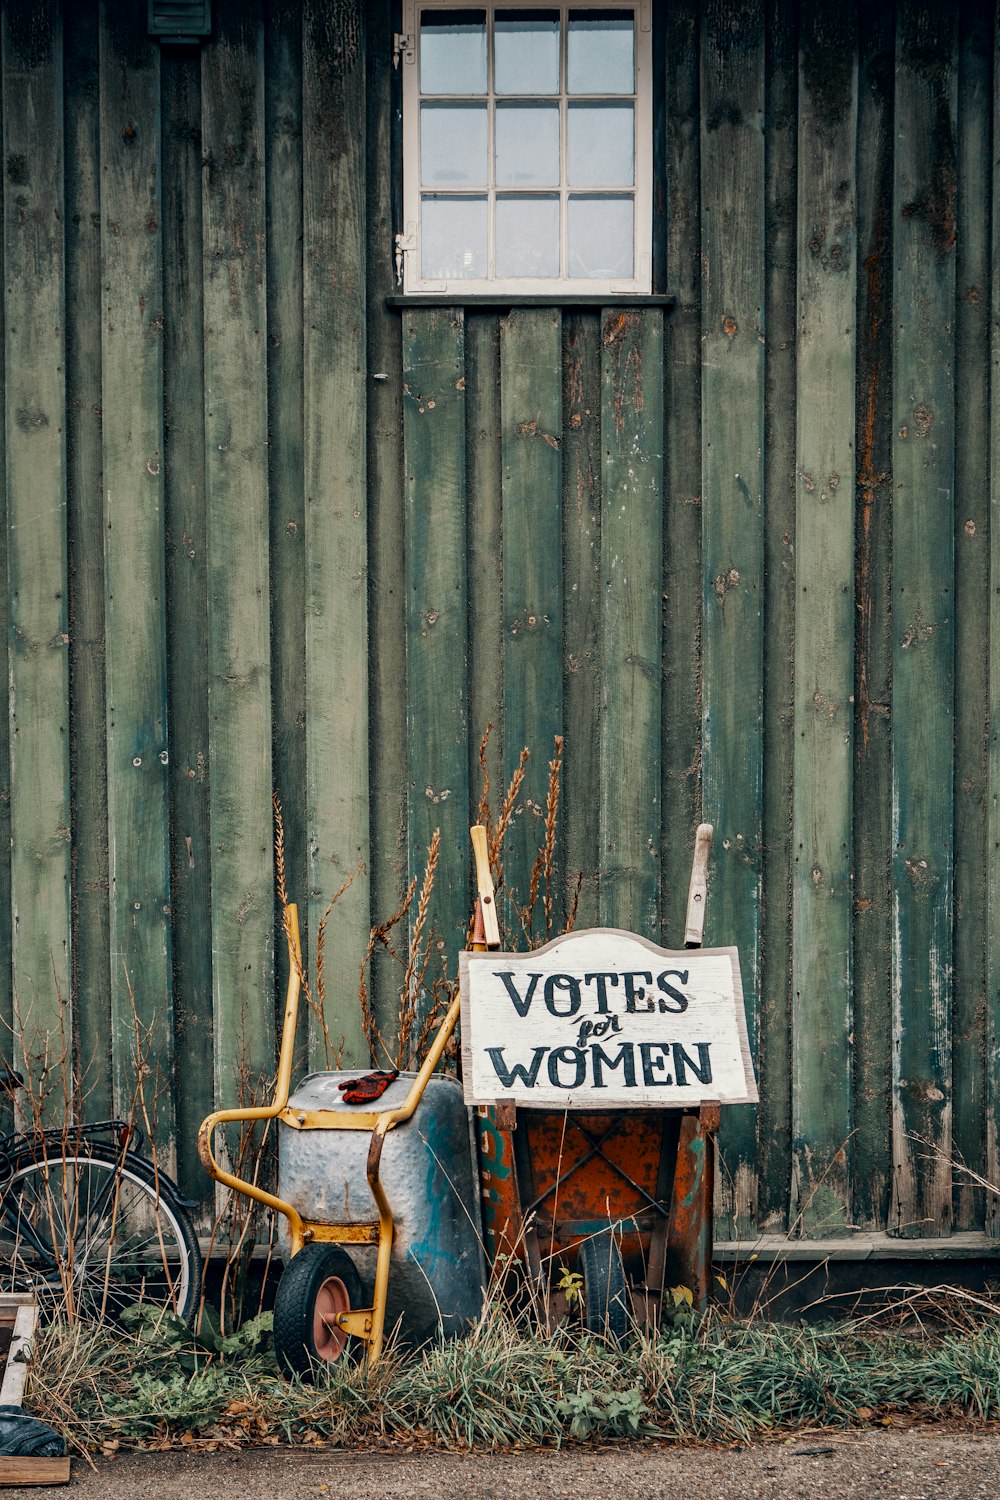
387,592
774,1110
187,605
923,614
436,611
873,634
283,169
632,604
336,536
134,602
484,510
88,750
531,435
732,388
681,735
286,475
6,915
582,481
36,533
236,495
972,374
16,1472
824,622
992,1026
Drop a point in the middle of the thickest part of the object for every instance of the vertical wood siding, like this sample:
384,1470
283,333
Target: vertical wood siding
823,668
732,427
336,520
237,548
263,530
134,585
36,506
923,616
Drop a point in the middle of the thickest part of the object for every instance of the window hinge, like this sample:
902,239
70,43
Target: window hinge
405,245
402,47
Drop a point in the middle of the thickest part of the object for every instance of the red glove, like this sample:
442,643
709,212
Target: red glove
365,1090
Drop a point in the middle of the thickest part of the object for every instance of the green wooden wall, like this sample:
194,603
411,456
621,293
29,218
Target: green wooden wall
263,530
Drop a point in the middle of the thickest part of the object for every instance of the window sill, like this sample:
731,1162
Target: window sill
511,300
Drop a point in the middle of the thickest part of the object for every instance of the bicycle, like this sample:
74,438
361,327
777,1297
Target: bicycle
84,1215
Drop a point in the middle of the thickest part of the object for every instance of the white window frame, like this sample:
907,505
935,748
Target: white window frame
408,257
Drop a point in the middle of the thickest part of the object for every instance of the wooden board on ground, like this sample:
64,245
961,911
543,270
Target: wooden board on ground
18,1315
34,1471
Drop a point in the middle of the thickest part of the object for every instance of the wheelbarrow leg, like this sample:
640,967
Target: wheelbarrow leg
384,1256
689,1228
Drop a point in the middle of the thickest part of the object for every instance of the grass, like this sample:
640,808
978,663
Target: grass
506,1386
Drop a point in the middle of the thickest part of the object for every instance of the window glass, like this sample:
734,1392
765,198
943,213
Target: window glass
527,236
599,149
527,145
453,52
600,53
453,145
526,52
453,238
600,237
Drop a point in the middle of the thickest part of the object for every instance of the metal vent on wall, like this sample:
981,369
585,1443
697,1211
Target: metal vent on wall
180,21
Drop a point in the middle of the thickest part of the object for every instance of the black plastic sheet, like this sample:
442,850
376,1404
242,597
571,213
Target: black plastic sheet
24,1436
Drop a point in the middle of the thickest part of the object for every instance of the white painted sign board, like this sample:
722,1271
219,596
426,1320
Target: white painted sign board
603,1019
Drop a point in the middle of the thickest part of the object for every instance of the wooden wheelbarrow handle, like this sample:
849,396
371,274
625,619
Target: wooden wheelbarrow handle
694,928
484,889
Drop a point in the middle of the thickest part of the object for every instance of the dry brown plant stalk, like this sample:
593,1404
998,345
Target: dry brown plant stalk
316,1003
496,833
442,993
542,880
497,836
549,847
320,1008
418,961
424,994
379,938
484,795
279,850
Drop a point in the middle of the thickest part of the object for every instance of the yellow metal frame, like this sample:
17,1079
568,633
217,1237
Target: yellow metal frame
367,1323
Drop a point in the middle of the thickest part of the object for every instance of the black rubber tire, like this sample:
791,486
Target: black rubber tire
606,1309
117,1225
295,1309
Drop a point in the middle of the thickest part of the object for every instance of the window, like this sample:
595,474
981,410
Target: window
527,152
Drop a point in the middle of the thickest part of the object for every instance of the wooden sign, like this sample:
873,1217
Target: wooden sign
603,1019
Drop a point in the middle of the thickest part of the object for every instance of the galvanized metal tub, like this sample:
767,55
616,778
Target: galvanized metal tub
429,1177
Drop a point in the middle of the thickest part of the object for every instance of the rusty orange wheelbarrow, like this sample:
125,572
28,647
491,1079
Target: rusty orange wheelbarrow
624,1195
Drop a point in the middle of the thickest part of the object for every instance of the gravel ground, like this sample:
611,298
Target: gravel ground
917,1464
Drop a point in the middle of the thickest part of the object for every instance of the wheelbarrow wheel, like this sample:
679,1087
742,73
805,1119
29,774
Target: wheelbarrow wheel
605,1293
316,1285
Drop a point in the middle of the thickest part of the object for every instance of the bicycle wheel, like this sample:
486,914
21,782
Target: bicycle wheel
101,1233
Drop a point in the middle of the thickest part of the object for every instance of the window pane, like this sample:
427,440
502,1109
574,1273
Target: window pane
527,145
526,52
452,237
453,145
600,145
527,232
600,53
453,52
600,237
